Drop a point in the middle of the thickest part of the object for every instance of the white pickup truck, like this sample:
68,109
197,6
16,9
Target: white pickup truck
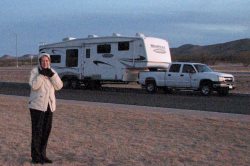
187,76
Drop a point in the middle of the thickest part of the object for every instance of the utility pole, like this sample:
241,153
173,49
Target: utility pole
31,58
16,51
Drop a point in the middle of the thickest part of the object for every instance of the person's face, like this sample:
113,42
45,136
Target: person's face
45,62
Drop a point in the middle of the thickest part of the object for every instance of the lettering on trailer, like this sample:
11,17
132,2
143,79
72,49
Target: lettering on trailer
158,48
107,55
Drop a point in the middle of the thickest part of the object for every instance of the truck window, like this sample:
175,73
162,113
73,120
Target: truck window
71,58
175,68
188,69
55,58
202,68
103,48
123,46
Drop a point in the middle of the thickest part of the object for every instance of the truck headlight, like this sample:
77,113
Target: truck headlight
221,79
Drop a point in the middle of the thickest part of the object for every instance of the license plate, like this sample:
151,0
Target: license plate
230,87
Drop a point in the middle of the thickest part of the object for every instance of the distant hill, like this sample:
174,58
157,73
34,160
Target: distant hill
24,57
233,51
6,57
27,56
9,60
225,49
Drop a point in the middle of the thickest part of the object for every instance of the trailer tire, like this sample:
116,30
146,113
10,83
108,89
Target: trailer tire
97,85
151,87
66,83
93,84
74,84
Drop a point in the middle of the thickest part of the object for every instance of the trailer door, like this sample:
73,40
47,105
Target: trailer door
87,62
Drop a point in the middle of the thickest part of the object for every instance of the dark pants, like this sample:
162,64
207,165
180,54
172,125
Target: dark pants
41,127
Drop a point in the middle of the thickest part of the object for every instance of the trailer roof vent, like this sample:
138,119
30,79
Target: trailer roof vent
92,36
116,34
68,38
140,35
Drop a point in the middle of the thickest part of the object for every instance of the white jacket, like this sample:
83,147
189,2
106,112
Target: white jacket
43,90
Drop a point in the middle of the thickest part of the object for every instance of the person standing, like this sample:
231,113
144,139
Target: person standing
44,81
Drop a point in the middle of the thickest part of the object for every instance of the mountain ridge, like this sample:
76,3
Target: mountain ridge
222,49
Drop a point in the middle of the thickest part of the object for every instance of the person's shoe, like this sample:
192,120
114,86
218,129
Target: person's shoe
37,161
46,160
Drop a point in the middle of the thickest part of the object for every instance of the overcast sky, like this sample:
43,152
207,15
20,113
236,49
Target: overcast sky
178,21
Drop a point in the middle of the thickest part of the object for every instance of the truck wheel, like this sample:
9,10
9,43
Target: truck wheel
151,87
206,89
223,91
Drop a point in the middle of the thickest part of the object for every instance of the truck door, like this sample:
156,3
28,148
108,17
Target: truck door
173,75
186,76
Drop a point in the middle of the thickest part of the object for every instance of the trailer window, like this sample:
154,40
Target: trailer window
88,53
55,58
72,58
103,48
175,68
123,46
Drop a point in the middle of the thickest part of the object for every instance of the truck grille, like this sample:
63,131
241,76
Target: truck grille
228,79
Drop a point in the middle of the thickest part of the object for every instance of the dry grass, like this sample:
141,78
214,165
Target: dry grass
87,133
231,67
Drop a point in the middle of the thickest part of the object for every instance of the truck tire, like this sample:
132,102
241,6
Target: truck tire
223,91
151,87
206,88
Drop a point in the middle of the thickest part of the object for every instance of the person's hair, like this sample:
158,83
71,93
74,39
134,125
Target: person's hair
40,59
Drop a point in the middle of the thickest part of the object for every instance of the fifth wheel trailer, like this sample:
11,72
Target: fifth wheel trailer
95,60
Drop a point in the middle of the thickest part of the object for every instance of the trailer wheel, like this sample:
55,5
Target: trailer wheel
75,84
66,83
93,84
151,87
97,85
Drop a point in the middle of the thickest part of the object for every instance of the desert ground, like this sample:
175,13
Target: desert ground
94,133
89,133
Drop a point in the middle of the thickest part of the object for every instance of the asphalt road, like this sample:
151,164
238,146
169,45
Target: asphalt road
234,103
